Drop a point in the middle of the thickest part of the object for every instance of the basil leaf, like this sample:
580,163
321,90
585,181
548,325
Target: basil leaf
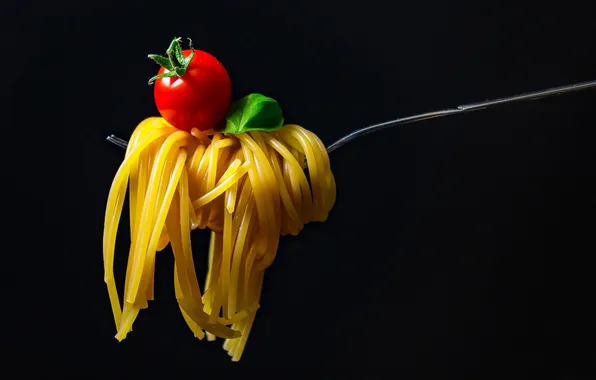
254,112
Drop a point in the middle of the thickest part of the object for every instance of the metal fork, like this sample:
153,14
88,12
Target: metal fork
431,115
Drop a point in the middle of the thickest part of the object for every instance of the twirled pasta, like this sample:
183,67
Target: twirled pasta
248,189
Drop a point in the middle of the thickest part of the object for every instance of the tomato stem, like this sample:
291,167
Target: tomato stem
175,63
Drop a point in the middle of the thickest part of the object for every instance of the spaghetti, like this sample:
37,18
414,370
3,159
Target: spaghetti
247,188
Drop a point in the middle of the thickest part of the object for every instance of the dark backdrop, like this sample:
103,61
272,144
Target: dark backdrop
458,247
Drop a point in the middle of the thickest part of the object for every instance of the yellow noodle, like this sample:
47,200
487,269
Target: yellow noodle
147,216
262,179
225,264
209,298
202,170
194,327
283,190
167,185
231,195
237,258
112,219
200,135
210,260
212,165
164,240
205,178
145,277
183,193
225,143
313,167
294,188
238,348
223,164
248,189
194,164
137,200
220,188
325,173
190,300
163,209
296,173
248,265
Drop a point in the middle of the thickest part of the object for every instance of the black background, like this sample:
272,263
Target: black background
458,247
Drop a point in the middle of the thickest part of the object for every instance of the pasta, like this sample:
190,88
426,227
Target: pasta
247,188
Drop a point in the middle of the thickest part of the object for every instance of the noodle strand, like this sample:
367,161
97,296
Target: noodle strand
248,188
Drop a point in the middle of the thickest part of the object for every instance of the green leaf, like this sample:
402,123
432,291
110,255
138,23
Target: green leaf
254,112
174,52
169,74
188,59
162,61
175,62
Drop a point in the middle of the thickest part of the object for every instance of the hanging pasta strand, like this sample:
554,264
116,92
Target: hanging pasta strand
249,189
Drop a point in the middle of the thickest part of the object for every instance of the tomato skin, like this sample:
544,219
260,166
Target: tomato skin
200,98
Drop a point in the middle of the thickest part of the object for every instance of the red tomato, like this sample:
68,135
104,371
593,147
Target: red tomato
198,99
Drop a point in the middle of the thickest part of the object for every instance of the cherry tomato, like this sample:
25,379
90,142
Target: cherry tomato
199,98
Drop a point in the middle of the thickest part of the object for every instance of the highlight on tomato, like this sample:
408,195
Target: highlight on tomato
192,89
